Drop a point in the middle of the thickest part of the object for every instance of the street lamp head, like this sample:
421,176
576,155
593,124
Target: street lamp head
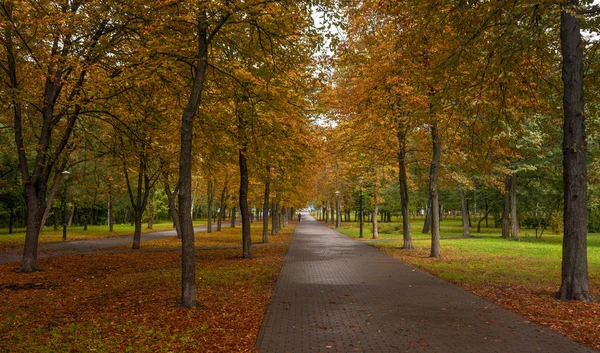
360,179
65,173
337,193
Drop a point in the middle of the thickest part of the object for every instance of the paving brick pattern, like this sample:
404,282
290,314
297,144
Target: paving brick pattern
335,294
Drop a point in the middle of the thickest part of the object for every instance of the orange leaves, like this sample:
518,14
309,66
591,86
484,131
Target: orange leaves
116,302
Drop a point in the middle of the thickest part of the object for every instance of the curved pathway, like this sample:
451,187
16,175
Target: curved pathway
335,294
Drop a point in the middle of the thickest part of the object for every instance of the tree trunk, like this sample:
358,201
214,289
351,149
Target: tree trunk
433,193
151,211
137,233
222,208
506,212
575,278
188,259
209,205
233,211
427,222
244,209
172,208
265,216
464,212
35,212
57,180
403,181
514,221
375,225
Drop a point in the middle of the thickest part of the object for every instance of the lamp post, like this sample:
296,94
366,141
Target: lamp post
360,205
337,209
65,174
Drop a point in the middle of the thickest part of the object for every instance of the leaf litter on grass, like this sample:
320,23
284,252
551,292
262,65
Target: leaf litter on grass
128,302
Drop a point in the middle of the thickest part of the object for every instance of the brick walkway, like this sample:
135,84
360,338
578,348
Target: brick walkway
335,294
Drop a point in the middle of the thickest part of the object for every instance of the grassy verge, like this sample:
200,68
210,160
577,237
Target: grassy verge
521,276
127,302
49,235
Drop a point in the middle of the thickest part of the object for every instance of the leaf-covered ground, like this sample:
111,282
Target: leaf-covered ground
128,302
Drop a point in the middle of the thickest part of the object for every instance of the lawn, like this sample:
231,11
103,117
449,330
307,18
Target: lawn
49,235
127,302
520,275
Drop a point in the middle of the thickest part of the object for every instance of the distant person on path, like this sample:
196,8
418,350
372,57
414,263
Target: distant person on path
299,216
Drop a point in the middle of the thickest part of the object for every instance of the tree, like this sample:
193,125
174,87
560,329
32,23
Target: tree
575,278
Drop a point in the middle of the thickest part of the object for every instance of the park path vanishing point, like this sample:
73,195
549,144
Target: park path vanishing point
335,294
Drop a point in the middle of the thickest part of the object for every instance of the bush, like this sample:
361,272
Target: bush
556,222
388,228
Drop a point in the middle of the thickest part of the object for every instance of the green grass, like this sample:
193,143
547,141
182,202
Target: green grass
485,257
49,235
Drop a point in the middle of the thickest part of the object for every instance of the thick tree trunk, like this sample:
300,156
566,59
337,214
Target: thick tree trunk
433,193
265,216
464,212
514,220
403,181
575,279
35,212
506,212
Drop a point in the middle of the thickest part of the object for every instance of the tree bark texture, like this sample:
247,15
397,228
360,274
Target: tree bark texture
575,278
433,192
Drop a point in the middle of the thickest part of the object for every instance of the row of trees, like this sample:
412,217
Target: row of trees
135,98
431,100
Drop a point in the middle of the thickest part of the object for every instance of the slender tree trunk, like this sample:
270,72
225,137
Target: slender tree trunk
375,225
433,192
151,210
209,205
57,180
403,181
506,212
464,212
514,220
427,222
188,259
265,216
244,209
222,208
137,233
575,279
172,208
